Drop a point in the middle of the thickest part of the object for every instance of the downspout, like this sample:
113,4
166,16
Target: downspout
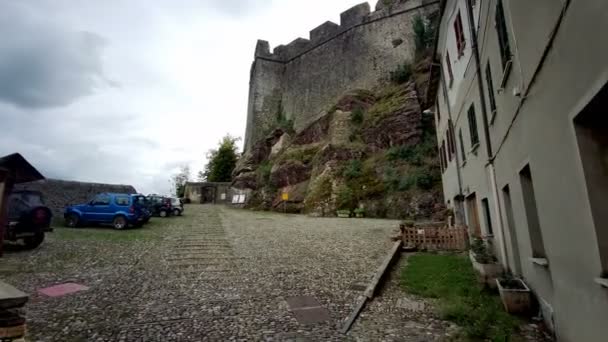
486,131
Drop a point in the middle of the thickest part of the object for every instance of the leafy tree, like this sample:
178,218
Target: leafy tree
222,161
180,179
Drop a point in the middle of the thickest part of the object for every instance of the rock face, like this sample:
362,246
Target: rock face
59,193
372,151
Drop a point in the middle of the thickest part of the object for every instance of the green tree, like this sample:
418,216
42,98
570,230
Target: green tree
180,179
222,161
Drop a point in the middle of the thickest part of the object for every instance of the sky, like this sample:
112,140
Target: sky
126,92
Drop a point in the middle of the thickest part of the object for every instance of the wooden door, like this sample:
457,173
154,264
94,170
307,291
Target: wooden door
473,213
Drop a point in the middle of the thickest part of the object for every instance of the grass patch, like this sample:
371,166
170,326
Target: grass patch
153,230
452,281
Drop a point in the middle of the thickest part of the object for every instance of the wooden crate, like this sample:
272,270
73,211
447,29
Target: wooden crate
436,238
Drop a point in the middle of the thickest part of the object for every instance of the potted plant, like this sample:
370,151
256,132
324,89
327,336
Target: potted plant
343,213
359,212
484,262
515,295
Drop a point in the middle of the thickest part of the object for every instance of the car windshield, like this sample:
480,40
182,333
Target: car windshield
23,201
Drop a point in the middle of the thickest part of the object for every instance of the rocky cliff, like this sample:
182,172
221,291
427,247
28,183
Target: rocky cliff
373,152
345,136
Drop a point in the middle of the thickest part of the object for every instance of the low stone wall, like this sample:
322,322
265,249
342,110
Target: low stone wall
59,193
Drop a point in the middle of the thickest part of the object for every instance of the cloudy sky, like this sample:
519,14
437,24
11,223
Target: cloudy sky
127,91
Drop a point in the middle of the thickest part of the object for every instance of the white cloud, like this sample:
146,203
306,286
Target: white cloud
182,70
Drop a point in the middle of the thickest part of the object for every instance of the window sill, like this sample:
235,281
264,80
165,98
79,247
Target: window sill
492,117
474,149
505,75
543,262
602,281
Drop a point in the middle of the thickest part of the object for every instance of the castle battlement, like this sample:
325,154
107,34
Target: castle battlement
355,16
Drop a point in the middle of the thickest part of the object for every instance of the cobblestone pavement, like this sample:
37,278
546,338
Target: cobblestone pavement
215,274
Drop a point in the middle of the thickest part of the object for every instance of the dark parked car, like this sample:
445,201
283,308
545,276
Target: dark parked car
142,204
159,205
28,218
119,210
178,206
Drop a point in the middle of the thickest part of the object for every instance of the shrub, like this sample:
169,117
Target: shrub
357,115
263,172
353,170
319,192
345,198
402,74
424,33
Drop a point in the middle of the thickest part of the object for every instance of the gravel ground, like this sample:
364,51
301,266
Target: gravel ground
214,274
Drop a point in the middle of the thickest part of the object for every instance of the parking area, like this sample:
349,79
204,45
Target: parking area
213,274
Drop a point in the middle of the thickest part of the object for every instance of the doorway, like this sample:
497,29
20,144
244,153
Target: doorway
473,216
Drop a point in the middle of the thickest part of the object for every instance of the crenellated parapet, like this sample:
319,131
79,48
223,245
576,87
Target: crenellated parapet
355,16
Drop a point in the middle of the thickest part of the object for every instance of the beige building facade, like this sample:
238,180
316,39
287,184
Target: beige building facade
521,107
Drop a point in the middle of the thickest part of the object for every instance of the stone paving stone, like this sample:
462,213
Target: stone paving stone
215,274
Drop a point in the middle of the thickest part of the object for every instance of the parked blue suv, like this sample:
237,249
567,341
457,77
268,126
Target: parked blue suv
119,210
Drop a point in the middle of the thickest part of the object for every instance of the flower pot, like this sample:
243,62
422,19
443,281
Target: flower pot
515,295
487,272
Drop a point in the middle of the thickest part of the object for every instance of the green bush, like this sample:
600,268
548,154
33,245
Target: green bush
402,74
345,198
357,115
263,172
353,170
424,34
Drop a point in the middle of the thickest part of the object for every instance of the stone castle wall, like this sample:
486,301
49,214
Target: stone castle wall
302,79
59,193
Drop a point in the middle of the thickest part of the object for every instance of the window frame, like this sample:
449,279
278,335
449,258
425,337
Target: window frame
503,35
491,94
462,149
473,129
459,33
449,67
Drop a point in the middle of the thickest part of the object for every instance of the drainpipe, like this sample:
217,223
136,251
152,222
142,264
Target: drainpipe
486,131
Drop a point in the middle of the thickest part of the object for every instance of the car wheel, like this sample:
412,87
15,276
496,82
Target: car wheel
32,242
72,221
120,222
162,213
176,212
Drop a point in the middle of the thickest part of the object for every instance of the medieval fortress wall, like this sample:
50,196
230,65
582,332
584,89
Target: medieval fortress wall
303,79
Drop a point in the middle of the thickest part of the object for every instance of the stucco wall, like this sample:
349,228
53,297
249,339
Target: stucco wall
307,76
59,193
538,130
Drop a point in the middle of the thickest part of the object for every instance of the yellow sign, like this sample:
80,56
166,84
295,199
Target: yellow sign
285,196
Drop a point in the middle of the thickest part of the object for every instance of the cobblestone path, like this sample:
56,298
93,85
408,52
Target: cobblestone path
215,274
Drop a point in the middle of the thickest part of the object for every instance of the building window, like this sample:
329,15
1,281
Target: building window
536,236
490,90
473,126
503,37
486,214
449,67
438,113
462,151
591,128
444,160
458,30
451,140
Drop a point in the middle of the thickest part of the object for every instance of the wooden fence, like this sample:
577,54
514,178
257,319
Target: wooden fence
436,238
